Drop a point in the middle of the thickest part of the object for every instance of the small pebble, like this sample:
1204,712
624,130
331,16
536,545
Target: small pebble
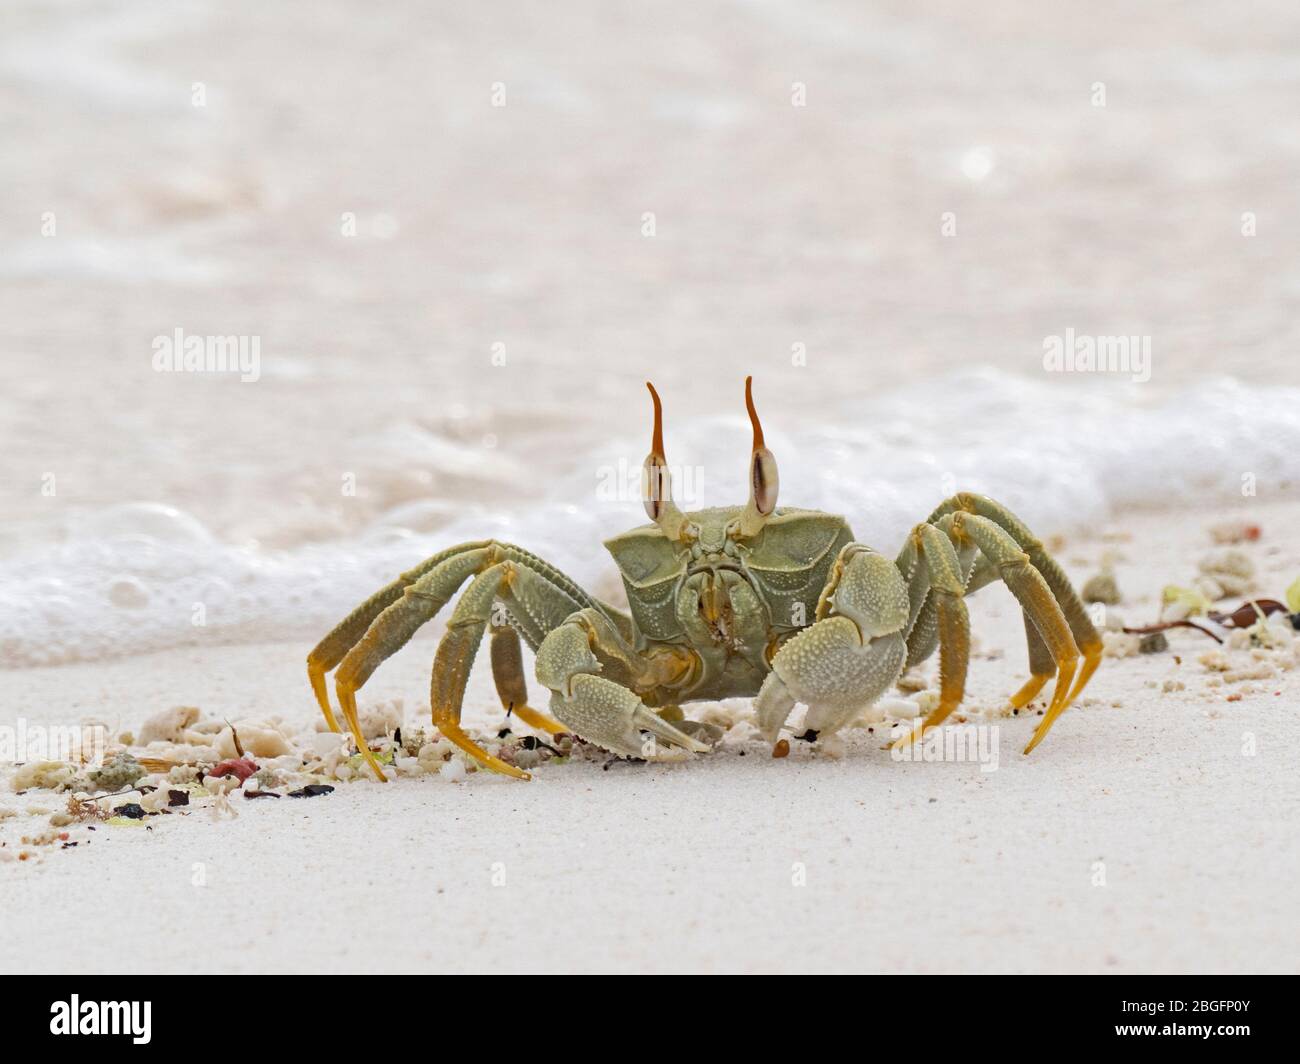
1101,588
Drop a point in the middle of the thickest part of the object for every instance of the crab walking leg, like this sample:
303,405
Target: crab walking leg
512,687
455,658
524,593
1042,667
393,628
428,587
1076,614
1035,596
847,659
947,587
923,622
348,632
331,650
592,707
420,602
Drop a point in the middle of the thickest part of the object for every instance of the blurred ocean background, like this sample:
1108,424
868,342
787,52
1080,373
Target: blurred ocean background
466,234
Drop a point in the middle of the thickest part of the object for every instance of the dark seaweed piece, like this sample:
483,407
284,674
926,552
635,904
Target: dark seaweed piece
261,794
312,790
130,810
1242,617
175,798
809,736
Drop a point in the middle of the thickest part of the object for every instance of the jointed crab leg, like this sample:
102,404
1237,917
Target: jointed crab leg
945,577
348,632
1024,581
923,619
419,600
393,628
1042,667
512,687
529,595
455,658
1031,588
1076,614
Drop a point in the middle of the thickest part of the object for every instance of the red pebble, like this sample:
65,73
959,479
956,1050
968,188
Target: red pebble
243,767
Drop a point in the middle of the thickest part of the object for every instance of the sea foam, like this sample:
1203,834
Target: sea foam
142,576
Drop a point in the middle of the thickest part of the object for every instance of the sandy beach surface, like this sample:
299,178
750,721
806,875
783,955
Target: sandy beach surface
1140,837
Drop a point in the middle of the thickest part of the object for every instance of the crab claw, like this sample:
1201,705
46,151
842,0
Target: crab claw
602,712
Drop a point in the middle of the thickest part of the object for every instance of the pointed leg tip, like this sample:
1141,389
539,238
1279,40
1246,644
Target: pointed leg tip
912,735
1039,735
373,762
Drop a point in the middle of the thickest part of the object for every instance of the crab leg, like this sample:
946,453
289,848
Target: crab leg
393,628
348,632
1076,614
946,578
527,594
1031,589
455,657
923,620
1042,667
421,600
512,687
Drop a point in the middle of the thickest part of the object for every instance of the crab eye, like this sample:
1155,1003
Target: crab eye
763,480
656,487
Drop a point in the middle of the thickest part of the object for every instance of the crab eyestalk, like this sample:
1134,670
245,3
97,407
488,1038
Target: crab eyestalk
763,479
656,483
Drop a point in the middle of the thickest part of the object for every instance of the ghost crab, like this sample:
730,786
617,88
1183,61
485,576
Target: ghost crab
728,602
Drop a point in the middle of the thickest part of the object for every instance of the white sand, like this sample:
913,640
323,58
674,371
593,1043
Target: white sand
910,867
